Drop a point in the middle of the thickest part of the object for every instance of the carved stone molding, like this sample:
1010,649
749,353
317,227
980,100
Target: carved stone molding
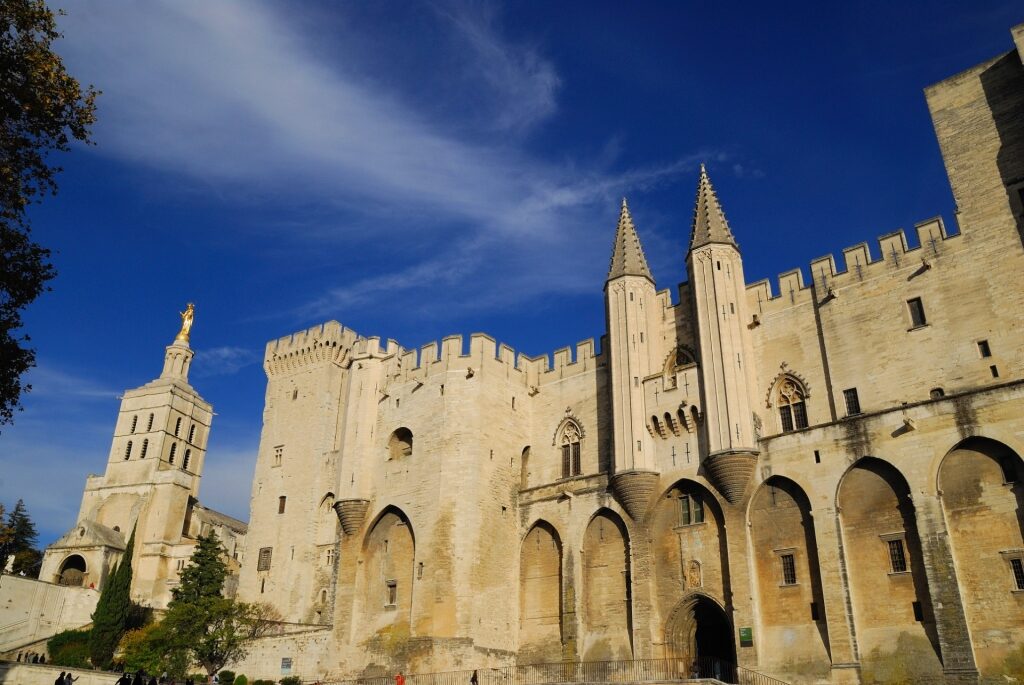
351,513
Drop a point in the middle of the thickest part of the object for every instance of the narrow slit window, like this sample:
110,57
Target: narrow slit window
281,502
135,422
170,456
128,451
392,593
918,612
917,317
145,448
186,460
983,348
192,433
177,427
994,371
149,425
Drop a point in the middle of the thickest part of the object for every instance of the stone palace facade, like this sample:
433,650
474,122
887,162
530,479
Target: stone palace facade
818,480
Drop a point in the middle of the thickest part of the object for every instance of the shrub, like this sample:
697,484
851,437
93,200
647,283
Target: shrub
291,680
69,648
263,682
227,677
240,679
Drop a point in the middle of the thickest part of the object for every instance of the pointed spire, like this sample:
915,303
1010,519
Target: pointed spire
709,223
627,254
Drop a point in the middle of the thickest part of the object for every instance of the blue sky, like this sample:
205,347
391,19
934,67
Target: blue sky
414,170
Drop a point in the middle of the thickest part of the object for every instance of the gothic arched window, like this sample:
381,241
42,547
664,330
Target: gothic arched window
569,440
792,407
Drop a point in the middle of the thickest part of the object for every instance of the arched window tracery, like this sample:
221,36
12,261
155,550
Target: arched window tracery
790,397
569,442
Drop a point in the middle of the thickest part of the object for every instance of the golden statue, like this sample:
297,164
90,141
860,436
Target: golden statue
186,322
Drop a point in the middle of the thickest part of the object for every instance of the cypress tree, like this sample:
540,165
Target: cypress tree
112,611
204,576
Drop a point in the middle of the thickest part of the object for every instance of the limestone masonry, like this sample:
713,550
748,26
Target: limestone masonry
821,481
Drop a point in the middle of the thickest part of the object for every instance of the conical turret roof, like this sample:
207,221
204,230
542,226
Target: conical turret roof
627,254
709,223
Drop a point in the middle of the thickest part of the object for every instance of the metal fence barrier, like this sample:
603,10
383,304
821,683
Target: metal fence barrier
631,671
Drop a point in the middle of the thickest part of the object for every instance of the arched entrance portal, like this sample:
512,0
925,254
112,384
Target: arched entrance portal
72,571
699,636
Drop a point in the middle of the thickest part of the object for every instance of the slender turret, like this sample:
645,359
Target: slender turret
630,300
726,353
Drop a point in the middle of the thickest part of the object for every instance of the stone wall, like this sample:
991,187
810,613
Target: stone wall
31,610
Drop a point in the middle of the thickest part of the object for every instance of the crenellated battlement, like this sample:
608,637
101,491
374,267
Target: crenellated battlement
487,356
894,252
328,342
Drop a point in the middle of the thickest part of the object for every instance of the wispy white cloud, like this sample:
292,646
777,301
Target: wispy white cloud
49,382
222,361
230,94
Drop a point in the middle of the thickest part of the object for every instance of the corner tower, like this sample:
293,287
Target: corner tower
726,353
629,303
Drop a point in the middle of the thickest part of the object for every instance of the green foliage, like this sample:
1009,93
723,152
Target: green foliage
226,677
205,573
240,679
113,610
200,625
69,648
153,650
263,682
42,109
27,561
19,537
291,680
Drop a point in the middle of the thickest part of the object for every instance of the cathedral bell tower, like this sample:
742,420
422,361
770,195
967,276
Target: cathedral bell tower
630,305
726,352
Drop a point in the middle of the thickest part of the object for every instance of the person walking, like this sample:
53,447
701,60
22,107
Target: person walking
474,680
125,679
60,679
399,679
68,679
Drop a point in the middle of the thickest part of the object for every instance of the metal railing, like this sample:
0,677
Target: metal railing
557,673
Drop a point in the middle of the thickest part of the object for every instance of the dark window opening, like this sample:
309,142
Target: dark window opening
149,426
1008,464
263,560
145,447
174,450
186,460
852,402
135,422
177,427
192,433
817,457
917,317
983,349
937,393
815,616
128,451
1017,566
788,569
691,510
281,501
897,556
392,593
994,370
918,612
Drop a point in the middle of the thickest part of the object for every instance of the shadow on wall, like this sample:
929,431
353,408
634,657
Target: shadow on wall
1003,84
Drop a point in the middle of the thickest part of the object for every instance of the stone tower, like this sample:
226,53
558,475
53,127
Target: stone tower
633,354
726,353
151,482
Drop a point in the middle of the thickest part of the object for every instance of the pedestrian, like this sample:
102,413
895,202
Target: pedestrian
216,679
68,679
35,658
60,679
152,680
125,679
42,658
163,678
399,679
474,680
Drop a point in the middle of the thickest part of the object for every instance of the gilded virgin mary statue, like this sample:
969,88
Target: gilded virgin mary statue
186,322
